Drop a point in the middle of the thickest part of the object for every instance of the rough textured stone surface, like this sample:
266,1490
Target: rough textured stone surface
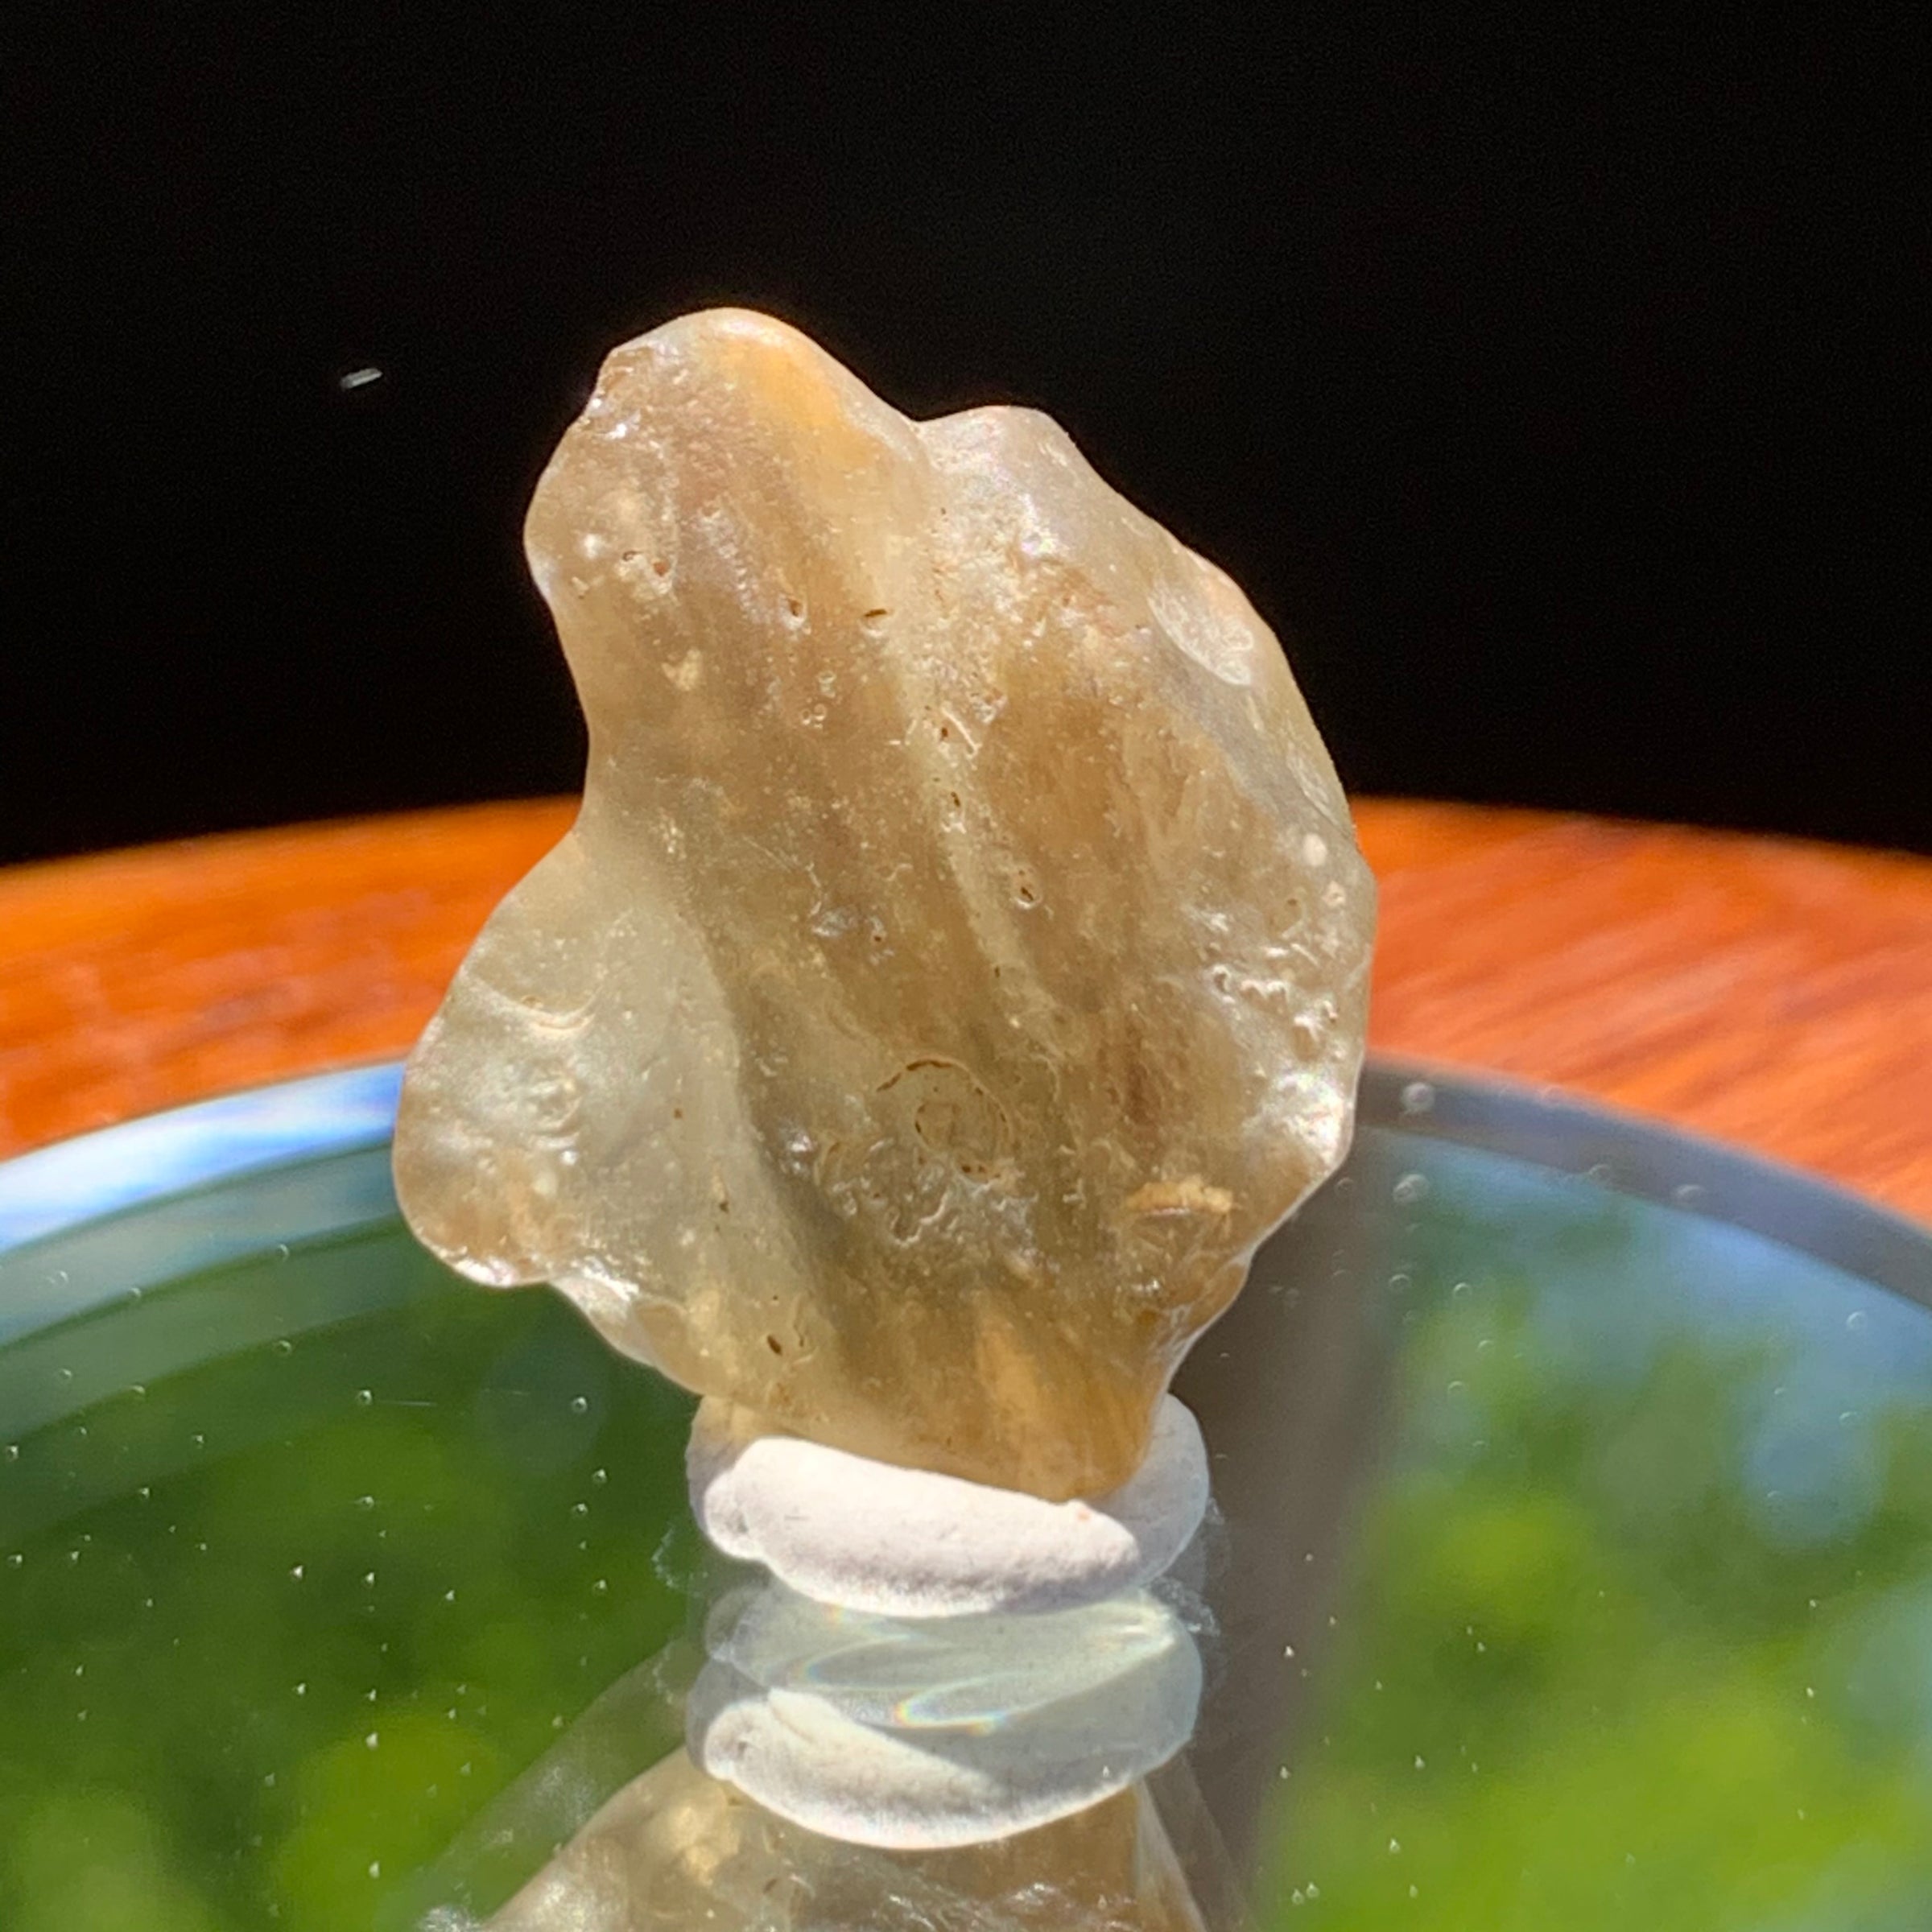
959,963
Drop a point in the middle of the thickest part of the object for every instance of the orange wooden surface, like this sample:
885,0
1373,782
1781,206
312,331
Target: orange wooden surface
1774,994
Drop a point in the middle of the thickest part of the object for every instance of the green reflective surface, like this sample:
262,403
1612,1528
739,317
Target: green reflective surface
1631,1615
309,1554
1574,1568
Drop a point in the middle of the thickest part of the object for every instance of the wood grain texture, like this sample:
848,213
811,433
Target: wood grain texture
1771,994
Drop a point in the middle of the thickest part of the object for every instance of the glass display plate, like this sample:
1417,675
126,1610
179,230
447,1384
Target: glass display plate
1572,1563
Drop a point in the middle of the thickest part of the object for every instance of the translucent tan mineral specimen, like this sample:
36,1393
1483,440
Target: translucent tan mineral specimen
675,1850
959,963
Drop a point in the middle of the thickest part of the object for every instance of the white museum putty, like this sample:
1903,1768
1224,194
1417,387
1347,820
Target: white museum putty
845,1529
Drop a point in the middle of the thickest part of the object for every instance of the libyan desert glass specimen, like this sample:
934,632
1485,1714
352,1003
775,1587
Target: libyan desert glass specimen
958,962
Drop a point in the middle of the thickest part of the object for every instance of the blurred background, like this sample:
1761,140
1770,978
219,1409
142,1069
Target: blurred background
1549,384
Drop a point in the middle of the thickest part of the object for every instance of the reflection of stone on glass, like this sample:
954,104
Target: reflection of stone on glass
919,1734
845,1772
677,1849
991,1773
958,966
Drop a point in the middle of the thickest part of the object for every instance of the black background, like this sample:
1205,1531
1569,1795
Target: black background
1549,384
